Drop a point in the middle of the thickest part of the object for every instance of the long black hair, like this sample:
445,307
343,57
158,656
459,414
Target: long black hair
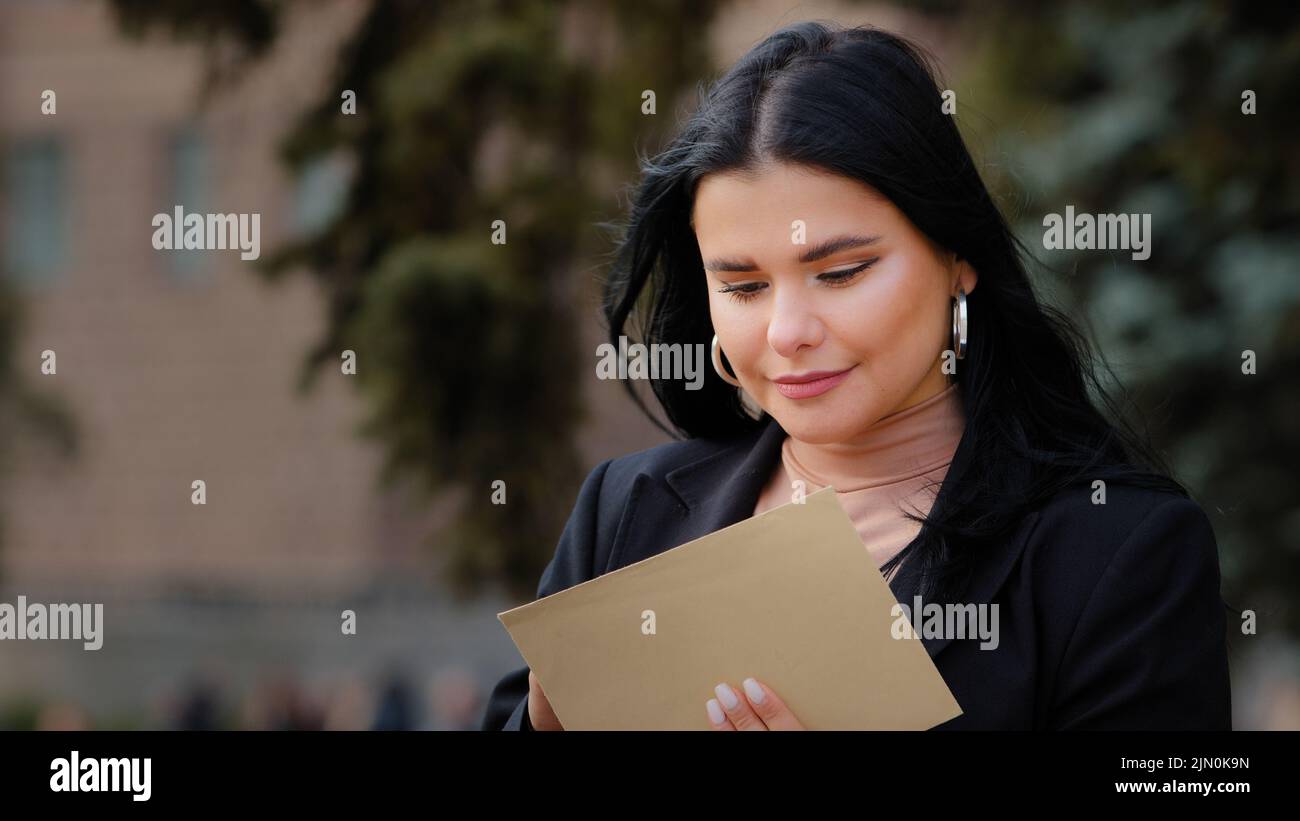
864,103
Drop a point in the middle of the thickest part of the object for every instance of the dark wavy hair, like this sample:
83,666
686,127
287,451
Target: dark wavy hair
864,103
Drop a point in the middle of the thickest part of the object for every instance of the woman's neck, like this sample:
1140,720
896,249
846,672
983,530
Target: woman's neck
902,445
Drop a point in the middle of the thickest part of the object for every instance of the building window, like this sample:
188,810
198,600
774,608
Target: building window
191,189
320,193
36,210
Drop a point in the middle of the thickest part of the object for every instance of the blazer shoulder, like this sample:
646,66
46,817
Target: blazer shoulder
1102,515
1129,613
1080,533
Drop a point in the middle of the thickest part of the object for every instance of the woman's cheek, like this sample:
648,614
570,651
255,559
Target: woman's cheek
864,326
751,336
738,336
891,339
900,308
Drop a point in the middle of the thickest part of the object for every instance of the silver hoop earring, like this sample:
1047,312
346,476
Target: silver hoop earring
959,324
747,404
716,353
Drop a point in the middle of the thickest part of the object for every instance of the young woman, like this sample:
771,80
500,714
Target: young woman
819,223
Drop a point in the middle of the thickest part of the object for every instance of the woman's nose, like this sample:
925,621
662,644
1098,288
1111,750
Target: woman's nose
793,324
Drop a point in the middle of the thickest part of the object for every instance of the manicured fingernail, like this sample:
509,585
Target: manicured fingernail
715,711
752,690
727,696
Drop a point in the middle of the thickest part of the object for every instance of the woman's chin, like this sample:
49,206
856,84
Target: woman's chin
810,426
820,422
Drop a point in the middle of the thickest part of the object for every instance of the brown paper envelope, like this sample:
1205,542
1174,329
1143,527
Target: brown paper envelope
790,597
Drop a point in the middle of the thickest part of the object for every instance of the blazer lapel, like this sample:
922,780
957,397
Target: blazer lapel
722,488
696,498
989,574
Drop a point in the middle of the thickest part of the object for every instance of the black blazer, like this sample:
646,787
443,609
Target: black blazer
1110,616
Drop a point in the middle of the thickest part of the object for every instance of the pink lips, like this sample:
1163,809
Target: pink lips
813,383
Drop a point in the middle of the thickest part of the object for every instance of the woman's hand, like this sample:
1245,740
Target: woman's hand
752,707
540,714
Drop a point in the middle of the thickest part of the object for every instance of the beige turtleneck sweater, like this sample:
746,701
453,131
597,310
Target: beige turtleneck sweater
886,470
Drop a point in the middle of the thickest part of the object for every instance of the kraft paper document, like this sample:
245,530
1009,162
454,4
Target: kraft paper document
790,596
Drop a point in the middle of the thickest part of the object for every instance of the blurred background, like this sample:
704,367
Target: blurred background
328,490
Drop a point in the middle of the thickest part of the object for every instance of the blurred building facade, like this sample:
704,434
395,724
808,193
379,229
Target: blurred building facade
180,366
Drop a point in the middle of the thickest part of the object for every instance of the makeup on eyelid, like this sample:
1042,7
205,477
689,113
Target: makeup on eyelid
832,279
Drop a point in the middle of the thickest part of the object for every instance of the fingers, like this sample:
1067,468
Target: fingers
717,716
769,707
540,713
737,709
753,706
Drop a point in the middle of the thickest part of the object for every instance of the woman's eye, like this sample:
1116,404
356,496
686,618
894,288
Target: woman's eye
746,291
743,292
834,278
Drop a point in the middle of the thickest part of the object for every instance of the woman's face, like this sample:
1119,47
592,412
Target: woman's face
784,305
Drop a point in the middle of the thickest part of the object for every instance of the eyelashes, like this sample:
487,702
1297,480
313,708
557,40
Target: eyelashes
747,291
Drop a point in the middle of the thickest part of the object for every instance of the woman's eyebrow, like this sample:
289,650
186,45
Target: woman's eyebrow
835,244
819,251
